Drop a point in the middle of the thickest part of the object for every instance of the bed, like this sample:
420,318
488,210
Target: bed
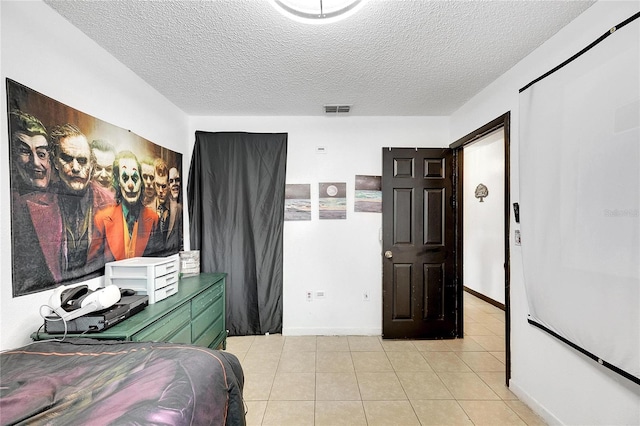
85,381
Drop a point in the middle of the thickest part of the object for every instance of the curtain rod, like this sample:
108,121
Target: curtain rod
585,352
580,53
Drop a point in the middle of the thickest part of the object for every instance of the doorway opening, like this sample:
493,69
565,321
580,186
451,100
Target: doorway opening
487,243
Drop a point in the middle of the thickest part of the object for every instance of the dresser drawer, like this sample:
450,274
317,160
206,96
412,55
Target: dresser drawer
182,336
206,318
210,334
166,327
206,299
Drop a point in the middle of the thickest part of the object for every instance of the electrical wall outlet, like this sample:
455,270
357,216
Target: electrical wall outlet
366,296
320,294
309,295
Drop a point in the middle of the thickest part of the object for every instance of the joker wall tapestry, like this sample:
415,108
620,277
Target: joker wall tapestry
84,192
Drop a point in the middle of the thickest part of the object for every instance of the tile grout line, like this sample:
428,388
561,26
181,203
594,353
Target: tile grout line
362,345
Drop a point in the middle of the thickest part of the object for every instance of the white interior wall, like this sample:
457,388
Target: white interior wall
340,257
562,385
483,222
41,50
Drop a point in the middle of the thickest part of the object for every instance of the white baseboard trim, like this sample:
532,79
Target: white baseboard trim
532,403
323,331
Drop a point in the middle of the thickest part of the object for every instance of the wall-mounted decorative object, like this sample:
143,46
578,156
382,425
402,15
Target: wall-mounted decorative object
297,201
333,200
368,195
84,192
482,192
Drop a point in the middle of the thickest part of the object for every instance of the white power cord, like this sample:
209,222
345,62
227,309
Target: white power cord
39,328
52,318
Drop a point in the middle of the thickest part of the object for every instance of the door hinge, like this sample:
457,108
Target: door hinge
454,165
454,179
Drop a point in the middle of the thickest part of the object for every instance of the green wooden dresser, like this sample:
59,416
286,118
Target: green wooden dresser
195,315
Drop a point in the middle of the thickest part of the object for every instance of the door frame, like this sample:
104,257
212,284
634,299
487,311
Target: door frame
504,122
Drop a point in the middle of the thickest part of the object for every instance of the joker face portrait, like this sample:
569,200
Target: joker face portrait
73,159
174,183
32,160
148,175
129,179
31,152
103,155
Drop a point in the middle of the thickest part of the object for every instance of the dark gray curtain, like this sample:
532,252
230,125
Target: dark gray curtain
236,215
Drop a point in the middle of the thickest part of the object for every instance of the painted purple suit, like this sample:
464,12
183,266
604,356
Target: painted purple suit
172,236
40,243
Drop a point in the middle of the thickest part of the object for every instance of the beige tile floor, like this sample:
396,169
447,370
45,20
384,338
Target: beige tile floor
365,380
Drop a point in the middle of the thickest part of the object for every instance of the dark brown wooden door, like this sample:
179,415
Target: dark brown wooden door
419,268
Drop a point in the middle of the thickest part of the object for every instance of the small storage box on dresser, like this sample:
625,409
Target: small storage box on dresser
157,277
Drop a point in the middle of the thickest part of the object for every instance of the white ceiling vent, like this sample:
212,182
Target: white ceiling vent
337,109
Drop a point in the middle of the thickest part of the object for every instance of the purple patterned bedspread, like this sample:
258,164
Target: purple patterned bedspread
84,381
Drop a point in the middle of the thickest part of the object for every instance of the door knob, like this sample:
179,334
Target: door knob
388,254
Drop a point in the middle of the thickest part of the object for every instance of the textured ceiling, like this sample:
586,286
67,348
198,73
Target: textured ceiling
393,57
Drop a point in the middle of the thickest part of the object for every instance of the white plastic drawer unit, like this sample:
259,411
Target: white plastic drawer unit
159,294
156,277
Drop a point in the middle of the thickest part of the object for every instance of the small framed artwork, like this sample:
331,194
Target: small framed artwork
368,194
297,201
332,200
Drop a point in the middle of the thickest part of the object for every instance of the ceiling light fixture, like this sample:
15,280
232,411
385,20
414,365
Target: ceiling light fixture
317,11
